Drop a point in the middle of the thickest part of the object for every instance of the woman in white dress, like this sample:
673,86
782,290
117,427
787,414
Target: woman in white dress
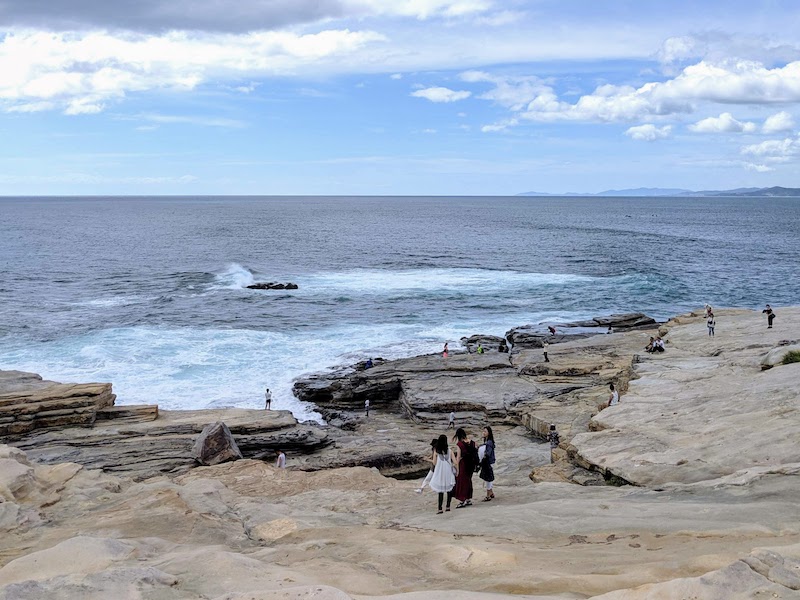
444,473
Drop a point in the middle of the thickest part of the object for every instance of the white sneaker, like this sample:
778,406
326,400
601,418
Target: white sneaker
418,490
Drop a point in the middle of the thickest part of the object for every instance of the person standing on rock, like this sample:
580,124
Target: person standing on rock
452,423
711,323
444,472
466,454
444,351
268,399
487,460
366,407
545,347
280,459
553,438
770,316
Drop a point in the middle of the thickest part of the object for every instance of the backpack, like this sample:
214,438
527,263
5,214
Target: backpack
471,460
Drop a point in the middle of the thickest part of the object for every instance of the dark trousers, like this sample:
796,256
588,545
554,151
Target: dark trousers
449,498
545,357
769,320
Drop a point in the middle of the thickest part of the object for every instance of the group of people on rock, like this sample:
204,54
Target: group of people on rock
452,468
656,344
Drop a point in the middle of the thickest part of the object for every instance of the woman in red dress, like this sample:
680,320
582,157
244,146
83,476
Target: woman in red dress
464,456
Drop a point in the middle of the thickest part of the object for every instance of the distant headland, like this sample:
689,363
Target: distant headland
770,192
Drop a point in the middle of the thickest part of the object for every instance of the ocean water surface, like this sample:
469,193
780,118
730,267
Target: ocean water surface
150,293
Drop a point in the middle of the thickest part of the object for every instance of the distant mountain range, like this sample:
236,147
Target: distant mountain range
771,192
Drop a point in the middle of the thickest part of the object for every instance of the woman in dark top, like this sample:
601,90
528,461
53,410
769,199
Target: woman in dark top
487,472
463,453
770,315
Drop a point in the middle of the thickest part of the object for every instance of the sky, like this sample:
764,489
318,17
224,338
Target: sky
396,97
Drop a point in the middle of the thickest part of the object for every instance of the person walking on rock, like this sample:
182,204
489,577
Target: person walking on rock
280,459
466,454
711,323
545,347
770,316
444,472
487,460
366,407
452,423
431,459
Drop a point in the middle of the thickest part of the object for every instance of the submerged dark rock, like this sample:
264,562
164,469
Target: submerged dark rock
272,286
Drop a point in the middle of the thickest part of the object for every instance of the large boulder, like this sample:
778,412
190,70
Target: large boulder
776,355
215,445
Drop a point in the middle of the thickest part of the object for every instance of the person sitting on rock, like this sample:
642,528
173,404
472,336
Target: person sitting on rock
551,329
658,345
614,397
649,347
368,364
480,348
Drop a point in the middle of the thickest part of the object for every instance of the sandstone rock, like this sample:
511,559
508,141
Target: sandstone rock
215,445
661,430
776,355
149,448
532,336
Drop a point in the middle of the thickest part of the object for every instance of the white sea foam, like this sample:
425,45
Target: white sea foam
381,281
235,276
115,301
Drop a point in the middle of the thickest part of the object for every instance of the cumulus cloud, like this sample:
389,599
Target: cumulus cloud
213,15
648,132
81,73
774,150
778,123
725,123
730,82
441,94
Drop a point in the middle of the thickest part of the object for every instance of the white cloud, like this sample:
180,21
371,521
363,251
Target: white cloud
441,94
737,82
774,149
758,168
396,76
511,92
778,123
648,132
725,123
80,72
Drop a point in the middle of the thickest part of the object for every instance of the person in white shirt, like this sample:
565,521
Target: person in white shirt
452,423
545,347
268,398
614,397
280,459
366,406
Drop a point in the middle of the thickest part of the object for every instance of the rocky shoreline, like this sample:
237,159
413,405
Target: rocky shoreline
702,454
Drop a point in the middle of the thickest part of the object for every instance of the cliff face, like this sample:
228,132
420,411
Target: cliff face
707,436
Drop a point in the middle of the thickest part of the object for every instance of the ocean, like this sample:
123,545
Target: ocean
149,293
